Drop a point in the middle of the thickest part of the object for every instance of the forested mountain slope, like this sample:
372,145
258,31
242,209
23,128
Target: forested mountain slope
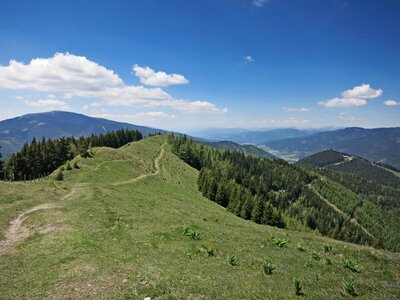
341,162
247,149
280,194
131,223
379,144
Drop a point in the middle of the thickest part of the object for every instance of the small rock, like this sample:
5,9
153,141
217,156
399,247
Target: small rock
89,285
125,280
147,298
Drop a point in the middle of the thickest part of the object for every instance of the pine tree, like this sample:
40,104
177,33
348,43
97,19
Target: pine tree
258,210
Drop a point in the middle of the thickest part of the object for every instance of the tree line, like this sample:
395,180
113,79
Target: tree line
39,158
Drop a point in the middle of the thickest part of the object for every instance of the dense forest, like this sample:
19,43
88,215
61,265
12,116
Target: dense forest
341,162
268,192
39,158
368,171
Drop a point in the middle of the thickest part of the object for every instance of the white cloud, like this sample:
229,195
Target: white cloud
148,76
343,102
259,3
76,76
391,103
363,91
248,58
356,96
48,103
292,109
62,72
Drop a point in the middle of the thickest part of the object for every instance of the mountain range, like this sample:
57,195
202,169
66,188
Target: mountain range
378,144
17,131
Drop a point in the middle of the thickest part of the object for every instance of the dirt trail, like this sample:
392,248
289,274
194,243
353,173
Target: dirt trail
17,231
155,173
354,221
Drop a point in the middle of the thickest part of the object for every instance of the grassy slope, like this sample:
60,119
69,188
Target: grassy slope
126,241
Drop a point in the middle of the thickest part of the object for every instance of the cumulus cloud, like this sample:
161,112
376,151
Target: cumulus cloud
343,102
48,103
363,91
293,109
77,76
62,72
148,76
259,3
391,103
248,58
356,96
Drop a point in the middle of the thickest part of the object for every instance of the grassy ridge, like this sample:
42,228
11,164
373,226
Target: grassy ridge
128,241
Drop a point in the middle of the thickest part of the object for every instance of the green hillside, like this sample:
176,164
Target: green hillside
130,223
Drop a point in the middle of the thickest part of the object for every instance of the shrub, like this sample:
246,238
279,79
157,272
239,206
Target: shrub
232,260
210,251
348,287
278,241
316,255
351,265
268,267
297,287
193,234
300,247
68,166
328,248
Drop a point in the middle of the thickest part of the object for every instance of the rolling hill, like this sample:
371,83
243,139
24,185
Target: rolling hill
131,223
380,144
17,131
247,149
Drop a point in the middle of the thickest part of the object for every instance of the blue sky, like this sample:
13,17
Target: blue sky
186,65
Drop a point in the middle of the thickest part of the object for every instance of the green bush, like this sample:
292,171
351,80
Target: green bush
68,166
278,241
268,267
232,260
192,233
316,255
210,251
328,248
351,265
297,287
348,287
300,247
